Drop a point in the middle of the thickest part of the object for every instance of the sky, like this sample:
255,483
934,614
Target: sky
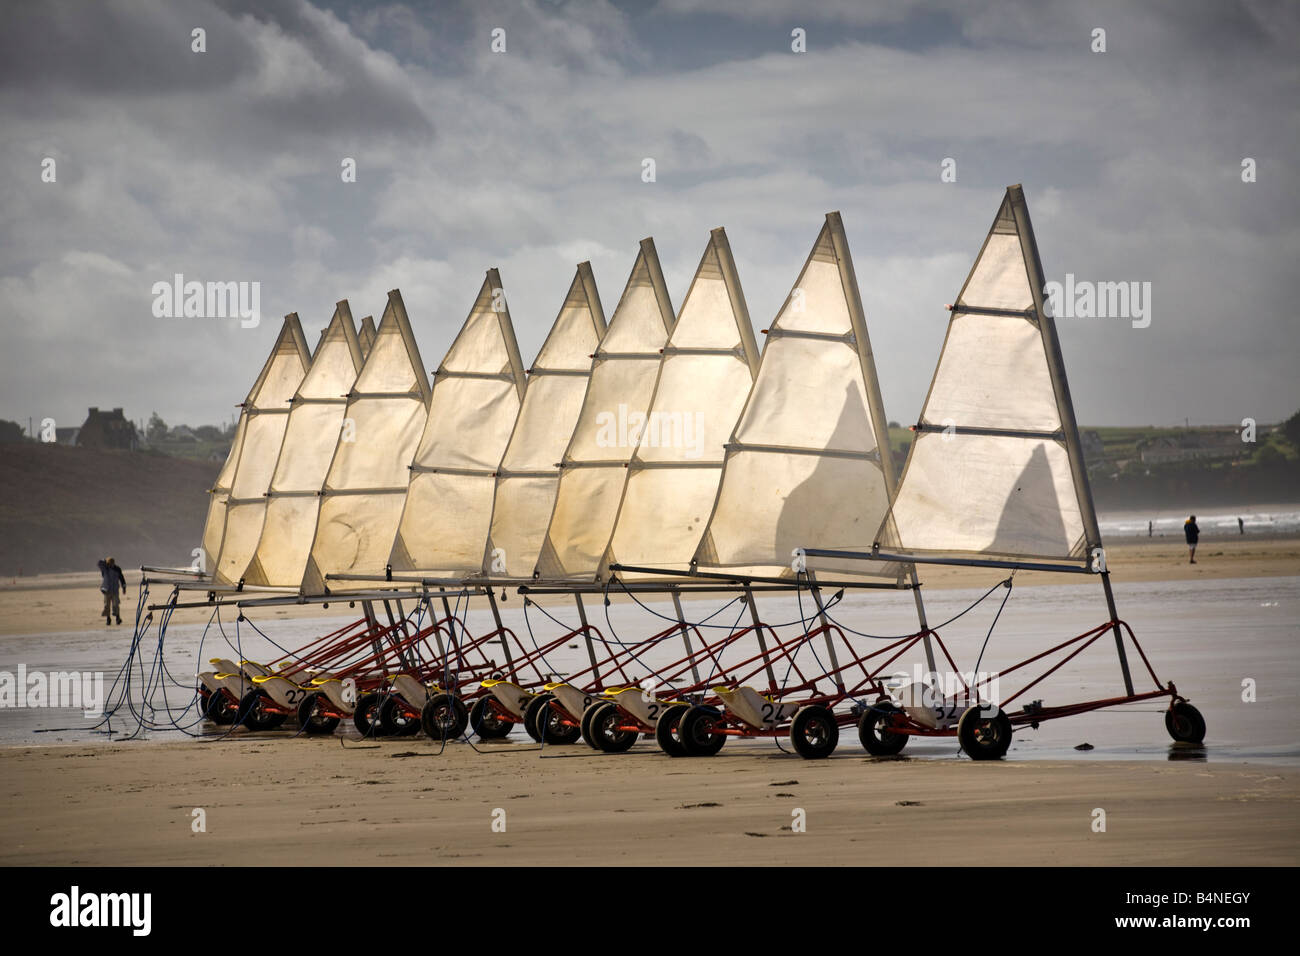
226,166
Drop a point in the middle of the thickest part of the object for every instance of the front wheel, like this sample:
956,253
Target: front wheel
395,720
555,727
873,730
531,711
366,717
313,722
485,721
699,733
585,724
984,732
814,732
253,714
444,717
218,709
1185,723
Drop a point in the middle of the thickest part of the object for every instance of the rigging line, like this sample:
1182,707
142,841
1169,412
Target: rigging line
979,659
935,628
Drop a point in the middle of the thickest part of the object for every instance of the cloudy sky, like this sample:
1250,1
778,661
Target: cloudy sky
226,166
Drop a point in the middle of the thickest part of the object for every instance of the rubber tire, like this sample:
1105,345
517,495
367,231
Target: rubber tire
609,739
1185,723
314,724
530,715
973,733
444,717
486,723
585,724
366,717
817,719
550,724
876,742
393,722
251,715
218,709
692,731
666,730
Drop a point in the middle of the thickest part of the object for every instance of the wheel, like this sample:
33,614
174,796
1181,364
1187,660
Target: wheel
394,721
876,739
530,715
666,730
585,724
218,709
253,714
487,723
982,736
444,717
698,731
366,717
314,723
605,729
553,726
1185,723
814,732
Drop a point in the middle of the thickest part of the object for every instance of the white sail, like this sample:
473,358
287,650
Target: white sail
236,508
314,427
366,335
594,466
705,375
995,468
477,392
365,488
529,474
804,467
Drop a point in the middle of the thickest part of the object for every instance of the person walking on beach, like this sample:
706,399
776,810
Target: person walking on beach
1150,525
1192,533
111,579
1241,526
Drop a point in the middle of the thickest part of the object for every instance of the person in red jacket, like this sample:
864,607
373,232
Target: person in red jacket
111,579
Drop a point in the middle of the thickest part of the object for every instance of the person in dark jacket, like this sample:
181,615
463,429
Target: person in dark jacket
1192,533
111,579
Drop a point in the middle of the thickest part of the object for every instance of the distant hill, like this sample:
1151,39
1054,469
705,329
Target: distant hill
62,508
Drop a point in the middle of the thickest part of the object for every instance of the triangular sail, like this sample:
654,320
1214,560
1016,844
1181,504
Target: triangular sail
314,427
477,392
366,336
529,474
804,467
365,488
995,468
234,515
594,466
707,370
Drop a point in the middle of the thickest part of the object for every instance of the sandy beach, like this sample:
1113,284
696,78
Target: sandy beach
71,602
315,802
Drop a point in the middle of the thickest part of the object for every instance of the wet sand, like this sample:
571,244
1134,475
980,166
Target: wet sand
71,602
313,802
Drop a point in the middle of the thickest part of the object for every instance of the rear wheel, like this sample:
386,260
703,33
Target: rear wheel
555,727
395,720
531,711
1185,723
607,730
698,731
984,732
666,730
366,717
313,722
486,721
444,717
873,730
814,732
218,709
